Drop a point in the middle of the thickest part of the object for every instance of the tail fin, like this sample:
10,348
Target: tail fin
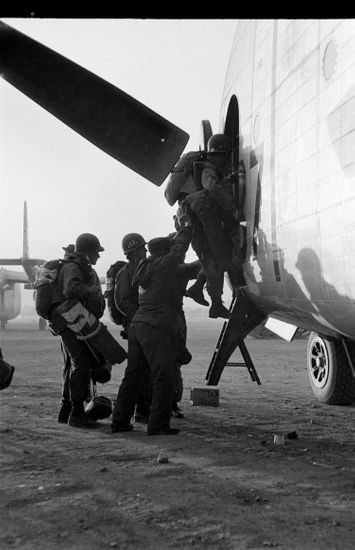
30,265
25,251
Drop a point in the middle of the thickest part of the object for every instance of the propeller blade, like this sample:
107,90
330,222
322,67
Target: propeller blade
106,116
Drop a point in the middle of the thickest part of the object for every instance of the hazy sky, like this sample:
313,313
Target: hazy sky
175,67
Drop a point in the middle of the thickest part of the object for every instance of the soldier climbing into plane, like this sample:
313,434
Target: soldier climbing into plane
207,199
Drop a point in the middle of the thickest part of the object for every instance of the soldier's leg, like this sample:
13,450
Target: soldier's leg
136,370
79,379
144,398
65,405
178,391
196,290
159,351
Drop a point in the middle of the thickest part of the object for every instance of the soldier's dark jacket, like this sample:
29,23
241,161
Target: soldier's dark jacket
158,304
77,279
125,295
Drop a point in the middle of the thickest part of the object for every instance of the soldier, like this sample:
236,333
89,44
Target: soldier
152,336
126,300
77,279
212,211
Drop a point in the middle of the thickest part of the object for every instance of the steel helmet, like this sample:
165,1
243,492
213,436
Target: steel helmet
131,242
87,243
219,143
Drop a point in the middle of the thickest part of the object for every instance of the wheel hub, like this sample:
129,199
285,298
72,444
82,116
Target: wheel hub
319,364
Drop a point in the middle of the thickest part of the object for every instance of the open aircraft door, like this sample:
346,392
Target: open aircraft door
206,133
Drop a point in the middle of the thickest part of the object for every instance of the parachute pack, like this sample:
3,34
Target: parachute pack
115,315
45,287
185,178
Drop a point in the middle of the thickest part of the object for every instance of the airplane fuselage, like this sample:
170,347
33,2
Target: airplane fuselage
294,82
10,300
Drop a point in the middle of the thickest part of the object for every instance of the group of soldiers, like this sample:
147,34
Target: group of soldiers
149,291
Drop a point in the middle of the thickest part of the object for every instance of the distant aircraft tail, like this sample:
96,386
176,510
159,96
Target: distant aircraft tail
25,249
30,265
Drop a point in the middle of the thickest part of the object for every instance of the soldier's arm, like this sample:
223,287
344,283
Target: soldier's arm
73,283
181,243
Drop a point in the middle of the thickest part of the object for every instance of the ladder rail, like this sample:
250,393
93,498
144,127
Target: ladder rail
243,317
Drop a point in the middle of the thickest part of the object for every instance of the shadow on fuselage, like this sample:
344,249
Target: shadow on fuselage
338,309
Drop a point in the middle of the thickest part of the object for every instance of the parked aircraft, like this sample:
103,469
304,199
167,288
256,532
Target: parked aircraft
288,106
11,281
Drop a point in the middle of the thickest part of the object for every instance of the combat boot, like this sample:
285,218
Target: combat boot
64,411
196,293
78,418
217,309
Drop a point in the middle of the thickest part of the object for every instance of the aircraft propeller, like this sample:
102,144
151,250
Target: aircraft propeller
106,116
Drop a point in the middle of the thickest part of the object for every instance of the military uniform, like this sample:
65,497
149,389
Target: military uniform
212,209
152,337
77,279
126,300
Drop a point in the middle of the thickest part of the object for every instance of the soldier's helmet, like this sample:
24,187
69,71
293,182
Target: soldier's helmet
131,242
219,143
87,243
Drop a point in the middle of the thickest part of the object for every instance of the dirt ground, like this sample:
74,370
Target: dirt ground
226,485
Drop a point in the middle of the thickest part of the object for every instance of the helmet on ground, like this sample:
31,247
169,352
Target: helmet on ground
131,242
87,243
99,407
159,246
219,143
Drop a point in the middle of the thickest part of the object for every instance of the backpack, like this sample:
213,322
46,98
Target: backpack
46,287
115,314
185,176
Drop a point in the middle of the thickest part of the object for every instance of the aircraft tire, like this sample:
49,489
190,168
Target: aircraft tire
42,324
329,372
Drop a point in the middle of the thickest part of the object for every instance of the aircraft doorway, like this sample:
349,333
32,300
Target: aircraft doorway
231,129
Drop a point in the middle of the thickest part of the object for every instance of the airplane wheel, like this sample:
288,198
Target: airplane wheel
42,323
329,372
